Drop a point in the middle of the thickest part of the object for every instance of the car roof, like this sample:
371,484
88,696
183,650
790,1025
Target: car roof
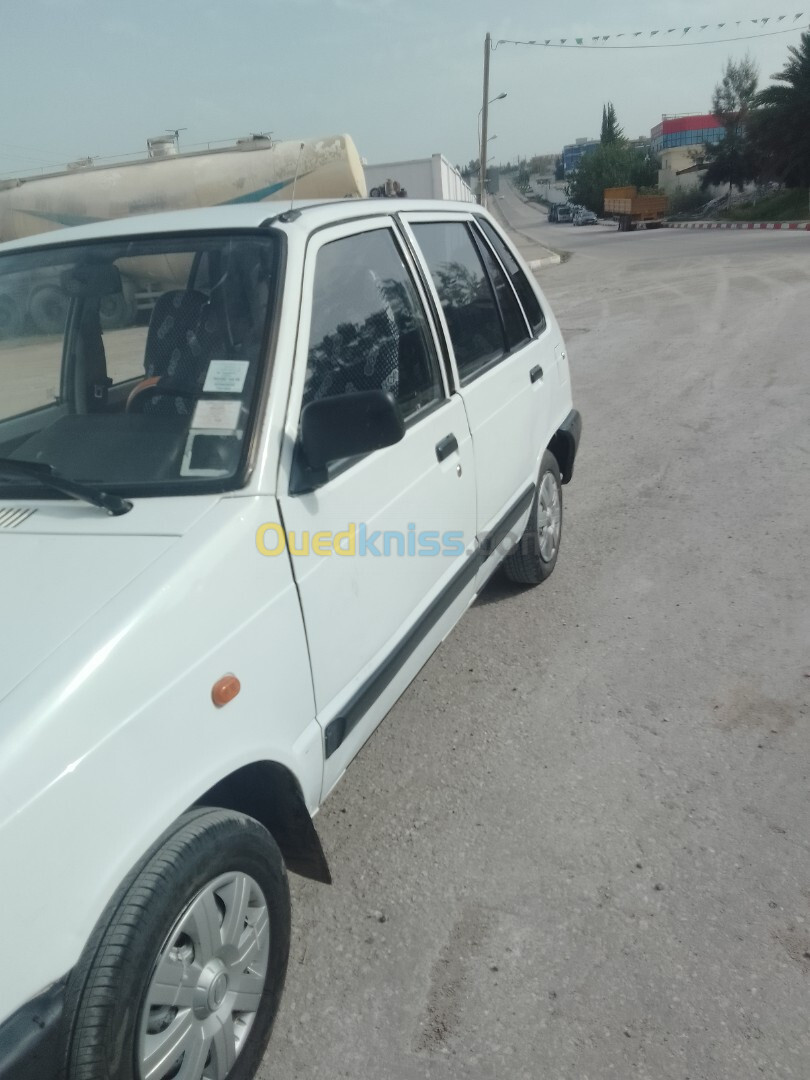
305,216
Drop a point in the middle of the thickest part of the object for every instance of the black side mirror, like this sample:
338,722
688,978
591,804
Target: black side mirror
344,426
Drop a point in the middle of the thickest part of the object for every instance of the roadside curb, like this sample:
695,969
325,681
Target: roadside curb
793,226
548,260
526,244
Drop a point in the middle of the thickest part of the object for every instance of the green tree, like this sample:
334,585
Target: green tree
611,165
732,160
734,95
780,124
611,132
559,168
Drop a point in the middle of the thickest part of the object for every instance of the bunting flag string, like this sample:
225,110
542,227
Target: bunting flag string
599,41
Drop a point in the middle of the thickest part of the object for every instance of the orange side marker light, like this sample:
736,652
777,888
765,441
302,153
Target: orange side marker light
225,690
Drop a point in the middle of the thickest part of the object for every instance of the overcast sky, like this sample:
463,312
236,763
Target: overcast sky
402,77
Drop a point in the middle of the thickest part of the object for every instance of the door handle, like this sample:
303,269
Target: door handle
446,446
536,373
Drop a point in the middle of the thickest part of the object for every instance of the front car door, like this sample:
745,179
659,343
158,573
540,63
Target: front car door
395,528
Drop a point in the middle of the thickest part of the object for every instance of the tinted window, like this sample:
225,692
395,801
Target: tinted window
528,297
514,324
464,292
369,330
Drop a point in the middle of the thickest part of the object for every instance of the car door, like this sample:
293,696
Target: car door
502,359
383,551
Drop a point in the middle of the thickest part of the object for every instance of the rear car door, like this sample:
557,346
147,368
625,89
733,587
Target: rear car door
502,357
398,567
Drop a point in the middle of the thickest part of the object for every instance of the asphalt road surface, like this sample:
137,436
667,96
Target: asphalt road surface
578,846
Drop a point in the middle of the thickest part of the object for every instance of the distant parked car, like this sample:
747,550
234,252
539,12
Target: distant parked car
564,213
585,217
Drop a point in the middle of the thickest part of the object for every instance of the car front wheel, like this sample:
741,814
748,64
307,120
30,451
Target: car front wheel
535,556
183,975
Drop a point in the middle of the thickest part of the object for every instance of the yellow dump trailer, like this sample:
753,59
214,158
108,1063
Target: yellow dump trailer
631,209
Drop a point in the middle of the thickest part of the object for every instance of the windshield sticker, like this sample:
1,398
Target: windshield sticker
217,415
226,376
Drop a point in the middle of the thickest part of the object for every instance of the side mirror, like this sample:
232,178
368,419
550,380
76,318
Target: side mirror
344,426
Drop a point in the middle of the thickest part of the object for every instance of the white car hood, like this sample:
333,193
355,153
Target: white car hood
58,568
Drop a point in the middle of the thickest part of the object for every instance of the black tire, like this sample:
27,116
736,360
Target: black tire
532,561
48,307
119,310
107,992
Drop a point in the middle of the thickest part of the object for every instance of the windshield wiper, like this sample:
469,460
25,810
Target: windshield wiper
49,477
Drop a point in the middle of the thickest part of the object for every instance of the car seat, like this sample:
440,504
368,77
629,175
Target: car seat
183,336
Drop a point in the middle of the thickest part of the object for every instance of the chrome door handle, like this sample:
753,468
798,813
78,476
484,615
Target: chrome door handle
446,446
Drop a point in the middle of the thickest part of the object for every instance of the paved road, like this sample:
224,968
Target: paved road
578,847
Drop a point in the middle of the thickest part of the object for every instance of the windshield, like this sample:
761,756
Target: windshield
134,365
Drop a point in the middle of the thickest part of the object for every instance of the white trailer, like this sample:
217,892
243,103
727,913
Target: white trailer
421,178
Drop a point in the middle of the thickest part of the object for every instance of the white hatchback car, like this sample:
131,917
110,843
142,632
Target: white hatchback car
234,524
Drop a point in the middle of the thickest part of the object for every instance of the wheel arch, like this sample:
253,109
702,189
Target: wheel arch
270,793
563,447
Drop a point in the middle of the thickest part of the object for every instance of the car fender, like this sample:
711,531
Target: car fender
120,734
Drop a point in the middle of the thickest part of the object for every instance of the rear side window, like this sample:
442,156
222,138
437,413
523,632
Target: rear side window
369,330
514,324
465,294
527,295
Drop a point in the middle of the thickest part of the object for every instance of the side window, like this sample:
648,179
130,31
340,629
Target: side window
465,294
527,295
517,332
369,330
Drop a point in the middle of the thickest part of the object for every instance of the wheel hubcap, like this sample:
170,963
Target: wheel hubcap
207,984
211,989
549,517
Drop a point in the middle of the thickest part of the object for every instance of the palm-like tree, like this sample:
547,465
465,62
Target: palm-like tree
781,121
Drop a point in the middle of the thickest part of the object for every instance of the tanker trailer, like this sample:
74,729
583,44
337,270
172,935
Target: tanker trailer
253,170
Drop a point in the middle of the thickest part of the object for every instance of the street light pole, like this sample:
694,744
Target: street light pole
482,154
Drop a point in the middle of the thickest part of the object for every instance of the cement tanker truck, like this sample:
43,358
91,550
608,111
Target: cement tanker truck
253,170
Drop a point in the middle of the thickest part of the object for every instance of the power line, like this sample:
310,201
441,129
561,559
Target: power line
579,42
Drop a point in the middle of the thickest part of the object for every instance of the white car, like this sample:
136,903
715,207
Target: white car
231,533
585,217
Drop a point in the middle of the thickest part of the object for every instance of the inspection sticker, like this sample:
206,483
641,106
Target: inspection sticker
226,376
217,415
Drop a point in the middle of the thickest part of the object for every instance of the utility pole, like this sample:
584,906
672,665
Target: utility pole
482,153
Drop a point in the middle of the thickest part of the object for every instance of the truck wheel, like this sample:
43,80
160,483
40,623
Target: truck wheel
10,316
48,307
535,556
183,975
119,309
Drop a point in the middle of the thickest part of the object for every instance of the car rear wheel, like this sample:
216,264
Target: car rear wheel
534,558
183,976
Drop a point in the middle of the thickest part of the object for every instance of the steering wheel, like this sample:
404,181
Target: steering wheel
146,389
